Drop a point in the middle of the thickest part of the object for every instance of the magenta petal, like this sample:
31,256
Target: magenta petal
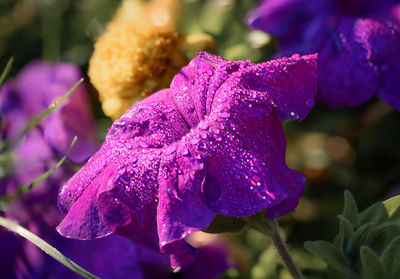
248,173
194,87
181,209
211,144
84,220
288,83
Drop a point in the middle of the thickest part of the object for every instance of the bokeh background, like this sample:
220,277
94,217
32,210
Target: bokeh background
356,149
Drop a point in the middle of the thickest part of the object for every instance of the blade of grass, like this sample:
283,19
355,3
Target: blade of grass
24,189
34,122
6,70
45,247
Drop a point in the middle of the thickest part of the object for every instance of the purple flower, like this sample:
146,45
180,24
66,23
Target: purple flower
37,86
357,41
211,144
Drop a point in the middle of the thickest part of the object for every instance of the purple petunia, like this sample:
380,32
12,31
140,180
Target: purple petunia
358,44
211,144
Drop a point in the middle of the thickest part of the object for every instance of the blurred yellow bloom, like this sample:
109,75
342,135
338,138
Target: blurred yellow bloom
139,53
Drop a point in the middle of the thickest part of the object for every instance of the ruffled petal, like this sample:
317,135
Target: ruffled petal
299,25
383,44
185,159
287,84
194,87
118,186
181,209
347,76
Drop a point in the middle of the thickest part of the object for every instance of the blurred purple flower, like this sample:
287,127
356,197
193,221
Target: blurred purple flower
37,86
358,44
212,143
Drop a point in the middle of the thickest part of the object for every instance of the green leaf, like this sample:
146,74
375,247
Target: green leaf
371,266
345,231
356,240
395,216
44,246
350,210
335,274
24,189
376,231
222,224
392,204
6,70
391,258
330,254
376,213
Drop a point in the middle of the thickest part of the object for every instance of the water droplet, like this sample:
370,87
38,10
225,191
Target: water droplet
217,137
203,134
202,145
255,180
143,144
203,125
185,152
194,140
225,114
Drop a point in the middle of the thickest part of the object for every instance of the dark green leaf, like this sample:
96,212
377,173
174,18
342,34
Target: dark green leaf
222,224
371,266
330,254
335,274
350,210
356,240
395,216
345,231
373,214
391,258
375,232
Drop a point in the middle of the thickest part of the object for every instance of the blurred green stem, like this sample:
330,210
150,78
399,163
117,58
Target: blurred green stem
51,29
271,229
45,247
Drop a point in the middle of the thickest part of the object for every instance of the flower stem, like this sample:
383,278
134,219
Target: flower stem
271,228
283,251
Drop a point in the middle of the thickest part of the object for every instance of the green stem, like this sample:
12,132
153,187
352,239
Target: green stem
271,228
44,246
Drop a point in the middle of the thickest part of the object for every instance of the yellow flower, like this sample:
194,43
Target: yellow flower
139,53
